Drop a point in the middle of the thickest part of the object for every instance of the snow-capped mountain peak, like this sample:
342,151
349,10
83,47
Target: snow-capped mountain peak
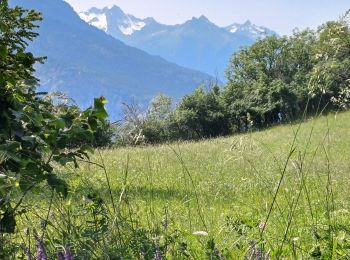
115,22
197,43
249,28
112,19
95,19
130,26
202,18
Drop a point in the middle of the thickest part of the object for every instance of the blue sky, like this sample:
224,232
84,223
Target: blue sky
280,15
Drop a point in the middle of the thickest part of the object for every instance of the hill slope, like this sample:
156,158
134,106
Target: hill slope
197,44
84,62
216,195
235,179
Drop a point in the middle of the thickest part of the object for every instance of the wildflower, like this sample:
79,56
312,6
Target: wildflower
295,239
60,255
200,233
68,255
158,254
27,251
261,226
40,246
257,252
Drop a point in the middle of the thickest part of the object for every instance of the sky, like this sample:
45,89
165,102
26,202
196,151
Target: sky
280,15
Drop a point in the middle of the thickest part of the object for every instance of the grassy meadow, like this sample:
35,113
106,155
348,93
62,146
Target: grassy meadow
281,193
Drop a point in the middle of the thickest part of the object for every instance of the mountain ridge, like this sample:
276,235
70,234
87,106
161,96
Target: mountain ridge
84,62
197,43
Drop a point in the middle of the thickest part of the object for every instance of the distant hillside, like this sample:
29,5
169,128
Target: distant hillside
84,62
197,44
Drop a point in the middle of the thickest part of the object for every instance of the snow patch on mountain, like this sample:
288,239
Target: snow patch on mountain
233,29
130,26
249,28
107,19
97,20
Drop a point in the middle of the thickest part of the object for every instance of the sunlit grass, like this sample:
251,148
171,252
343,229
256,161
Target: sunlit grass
226,186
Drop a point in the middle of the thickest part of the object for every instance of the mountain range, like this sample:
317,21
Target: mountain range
85,62
198,43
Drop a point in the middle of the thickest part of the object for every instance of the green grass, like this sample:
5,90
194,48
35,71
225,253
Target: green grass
226,187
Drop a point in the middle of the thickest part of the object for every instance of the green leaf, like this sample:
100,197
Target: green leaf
64,159
10,151
22,99
60,124
59,185
101,114
8,223
3,26
31,175
25,183
87,148
3,52
99,108
93,123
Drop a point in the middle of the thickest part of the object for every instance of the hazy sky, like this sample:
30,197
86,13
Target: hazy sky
280,15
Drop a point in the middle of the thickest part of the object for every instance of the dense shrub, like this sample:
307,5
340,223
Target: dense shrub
200,115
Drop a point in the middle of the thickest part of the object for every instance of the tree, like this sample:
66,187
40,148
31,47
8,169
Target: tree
330,77
156,124
160,108
200,114
269,78
34,132
151,126
131,130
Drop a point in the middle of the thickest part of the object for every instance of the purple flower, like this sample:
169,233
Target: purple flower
27,251
158,254
68,255
41,255
60,255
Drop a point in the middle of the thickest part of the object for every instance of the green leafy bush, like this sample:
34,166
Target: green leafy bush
34,133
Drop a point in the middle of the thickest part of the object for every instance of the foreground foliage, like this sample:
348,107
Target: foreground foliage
35,134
